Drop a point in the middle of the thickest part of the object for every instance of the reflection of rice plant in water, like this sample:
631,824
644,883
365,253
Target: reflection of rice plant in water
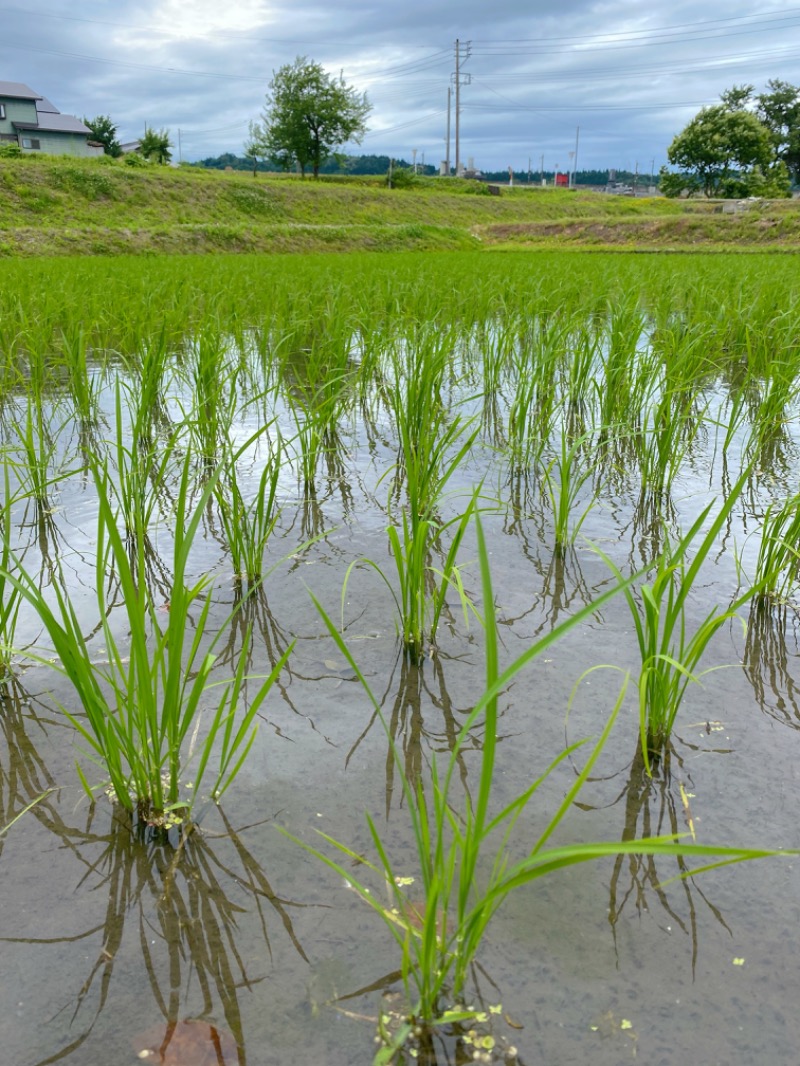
143,705
465,868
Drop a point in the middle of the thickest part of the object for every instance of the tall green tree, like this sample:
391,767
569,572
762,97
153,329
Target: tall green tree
308,114
779,110
156,146
726,150
104,131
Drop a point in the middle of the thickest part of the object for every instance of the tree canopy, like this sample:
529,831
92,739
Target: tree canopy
743,146
308,114
156,145
104,131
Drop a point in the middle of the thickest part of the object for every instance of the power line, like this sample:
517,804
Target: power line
785,14
610,46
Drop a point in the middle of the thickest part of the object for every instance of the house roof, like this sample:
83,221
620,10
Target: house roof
49,123
50,119
18,91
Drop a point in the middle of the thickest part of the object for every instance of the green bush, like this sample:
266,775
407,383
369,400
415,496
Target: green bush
401,178
10,151
133,159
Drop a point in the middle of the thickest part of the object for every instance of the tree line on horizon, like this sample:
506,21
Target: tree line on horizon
365,165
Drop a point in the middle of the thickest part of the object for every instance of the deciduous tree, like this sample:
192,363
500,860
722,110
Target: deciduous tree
308,114
726,150
779,110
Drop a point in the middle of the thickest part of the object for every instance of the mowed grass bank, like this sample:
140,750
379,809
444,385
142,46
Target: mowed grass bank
57,206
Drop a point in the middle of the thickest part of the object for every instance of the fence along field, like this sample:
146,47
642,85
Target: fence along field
229,483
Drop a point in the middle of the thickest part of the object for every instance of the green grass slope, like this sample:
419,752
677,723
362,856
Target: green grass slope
60,206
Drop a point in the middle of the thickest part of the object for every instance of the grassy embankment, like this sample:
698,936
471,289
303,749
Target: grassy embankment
57,206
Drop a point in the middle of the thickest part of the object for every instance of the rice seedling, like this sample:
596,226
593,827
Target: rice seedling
564,478
213,383
778,562
9,595
670,654
664,441
141,467
464,860
142,706
248,526
432,447
39,466
84,385
38,799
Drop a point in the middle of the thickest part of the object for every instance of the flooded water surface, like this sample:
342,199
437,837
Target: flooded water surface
589,422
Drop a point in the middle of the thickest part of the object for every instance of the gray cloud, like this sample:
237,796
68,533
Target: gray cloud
629,75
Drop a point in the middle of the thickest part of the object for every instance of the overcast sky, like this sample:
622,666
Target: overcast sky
628,74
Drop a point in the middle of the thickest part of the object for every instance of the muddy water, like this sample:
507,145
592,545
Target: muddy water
105,938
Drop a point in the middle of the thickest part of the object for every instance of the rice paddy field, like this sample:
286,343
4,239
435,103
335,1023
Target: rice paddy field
400,659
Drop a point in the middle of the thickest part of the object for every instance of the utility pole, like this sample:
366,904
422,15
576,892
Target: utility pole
180,150
575,162
447,157
414,154
467,80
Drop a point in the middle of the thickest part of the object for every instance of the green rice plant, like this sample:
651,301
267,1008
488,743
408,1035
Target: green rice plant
317,378
533,408
10,598
564,478
768,432
308,440
422,587
465,863
38,469
142,707
670,653
38,799
141,465
212,377
84,386
248,526
778,563
433,445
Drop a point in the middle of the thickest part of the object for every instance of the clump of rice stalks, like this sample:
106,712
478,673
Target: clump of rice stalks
778,565
143,705
670,652
564,478
248,526
465,869
9,594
